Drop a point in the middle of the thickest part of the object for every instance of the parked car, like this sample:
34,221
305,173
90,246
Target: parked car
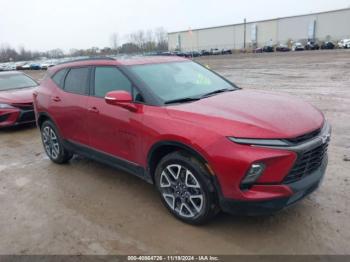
180,53
24,67
215,51
34,66
327,45
298,47
16,99
45,65
205,52
268,49
282,48
8,67
258,50
226,51
166,53
312,45
192,54
205,143
19,65
344,43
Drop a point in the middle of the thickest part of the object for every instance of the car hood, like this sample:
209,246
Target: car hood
251,114
17,96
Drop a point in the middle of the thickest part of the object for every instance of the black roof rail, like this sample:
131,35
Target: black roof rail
87,59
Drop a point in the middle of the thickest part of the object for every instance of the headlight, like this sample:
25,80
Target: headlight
5,106
259,142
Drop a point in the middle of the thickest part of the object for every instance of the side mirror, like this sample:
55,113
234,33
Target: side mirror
122,99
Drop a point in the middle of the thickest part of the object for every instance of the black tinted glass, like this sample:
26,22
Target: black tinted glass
77,81
58,77
110,79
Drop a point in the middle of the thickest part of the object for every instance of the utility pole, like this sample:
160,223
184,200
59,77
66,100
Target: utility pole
245,32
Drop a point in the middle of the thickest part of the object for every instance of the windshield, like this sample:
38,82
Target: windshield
15,81
180,80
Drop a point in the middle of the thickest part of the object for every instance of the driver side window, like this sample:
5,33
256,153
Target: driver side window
110,79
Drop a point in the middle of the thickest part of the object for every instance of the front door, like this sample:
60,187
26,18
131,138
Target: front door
113,130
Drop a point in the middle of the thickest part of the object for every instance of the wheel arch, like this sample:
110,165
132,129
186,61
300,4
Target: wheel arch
42,117
163,148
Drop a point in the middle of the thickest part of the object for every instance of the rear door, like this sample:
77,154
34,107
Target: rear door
113,130
69,104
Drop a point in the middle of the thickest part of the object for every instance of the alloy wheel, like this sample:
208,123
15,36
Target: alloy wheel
181,191
51,143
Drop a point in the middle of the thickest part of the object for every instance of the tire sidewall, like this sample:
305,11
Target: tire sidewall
61,154
176,159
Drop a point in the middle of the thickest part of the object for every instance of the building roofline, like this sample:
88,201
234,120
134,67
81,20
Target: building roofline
260,21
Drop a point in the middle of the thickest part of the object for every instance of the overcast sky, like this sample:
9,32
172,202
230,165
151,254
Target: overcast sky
46,24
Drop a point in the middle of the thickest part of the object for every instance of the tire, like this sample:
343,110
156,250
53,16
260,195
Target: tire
185,188
53,145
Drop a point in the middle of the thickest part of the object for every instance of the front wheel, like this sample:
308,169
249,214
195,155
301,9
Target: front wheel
53,144
185,188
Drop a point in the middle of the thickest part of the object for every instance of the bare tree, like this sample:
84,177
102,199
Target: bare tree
55,53
138,38
161,38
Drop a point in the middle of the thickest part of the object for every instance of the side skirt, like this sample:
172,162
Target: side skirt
108,159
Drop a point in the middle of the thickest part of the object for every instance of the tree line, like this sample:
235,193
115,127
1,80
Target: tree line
138,42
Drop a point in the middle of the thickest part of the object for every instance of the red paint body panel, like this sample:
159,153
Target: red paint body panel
252,114
202,125
16,98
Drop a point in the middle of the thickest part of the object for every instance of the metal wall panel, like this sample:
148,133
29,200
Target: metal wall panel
336,25
294,28
222,37
267,32
333,25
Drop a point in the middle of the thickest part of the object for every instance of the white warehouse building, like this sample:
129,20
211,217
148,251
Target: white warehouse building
325,26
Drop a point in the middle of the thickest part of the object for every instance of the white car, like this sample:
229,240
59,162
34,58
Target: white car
298,47
8,67
26,66
345,43
215,51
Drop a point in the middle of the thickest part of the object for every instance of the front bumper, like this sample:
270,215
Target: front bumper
16,116
300,189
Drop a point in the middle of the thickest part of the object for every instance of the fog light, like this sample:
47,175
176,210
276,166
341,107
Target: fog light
255,171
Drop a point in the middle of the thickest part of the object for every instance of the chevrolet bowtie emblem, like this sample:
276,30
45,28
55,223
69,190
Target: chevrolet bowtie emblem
325,138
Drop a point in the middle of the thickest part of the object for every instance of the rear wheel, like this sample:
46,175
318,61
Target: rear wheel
185,188
53,144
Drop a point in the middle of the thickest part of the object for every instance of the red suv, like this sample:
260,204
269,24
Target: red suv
205,144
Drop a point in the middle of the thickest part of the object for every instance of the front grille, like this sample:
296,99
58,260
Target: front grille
303,138
26,116
307,163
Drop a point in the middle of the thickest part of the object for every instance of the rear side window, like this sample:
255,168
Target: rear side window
110,79
58,78
77,81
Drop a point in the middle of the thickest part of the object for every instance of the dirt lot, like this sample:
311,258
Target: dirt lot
88,208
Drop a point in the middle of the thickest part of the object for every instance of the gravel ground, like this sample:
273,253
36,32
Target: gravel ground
88,208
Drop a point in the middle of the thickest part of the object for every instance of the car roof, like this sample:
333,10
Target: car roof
141,60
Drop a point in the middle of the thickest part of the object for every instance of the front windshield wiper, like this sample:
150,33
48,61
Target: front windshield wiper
182,100
217,92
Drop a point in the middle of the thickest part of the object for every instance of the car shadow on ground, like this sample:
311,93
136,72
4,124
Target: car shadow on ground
19,128
139,189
